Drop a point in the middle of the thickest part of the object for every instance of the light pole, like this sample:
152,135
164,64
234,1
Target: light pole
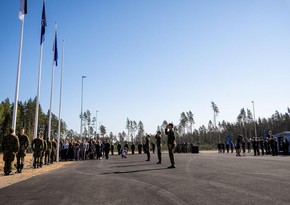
81,132
97,123
254,120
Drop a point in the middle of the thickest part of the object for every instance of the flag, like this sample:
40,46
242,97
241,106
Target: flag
43,24
23,9
55,49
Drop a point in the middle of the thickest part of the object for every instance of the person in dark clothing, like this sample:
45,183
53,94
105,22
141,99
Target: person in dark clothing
147,146
170,143
133,148
139,148
119,148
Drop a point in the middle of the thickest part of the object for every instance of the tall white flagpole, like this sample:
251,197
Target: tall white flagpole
52,81
60,100
22,13
18,78
43,25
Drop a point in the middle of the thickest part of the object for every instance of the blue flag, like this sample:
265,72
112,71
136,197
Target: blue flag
43,24
55,49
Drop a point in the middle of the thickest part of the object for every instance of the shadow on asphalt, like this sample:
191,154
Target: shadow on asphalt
133,171
133,165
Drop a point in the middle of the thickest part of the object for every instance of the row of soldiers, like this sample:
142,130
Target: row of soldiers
266,146
13,145
16,146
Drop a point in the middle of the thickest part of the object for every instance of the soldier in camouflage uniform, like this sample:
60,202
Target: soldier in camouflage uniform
170,143
10,146
47,152
37,146
45,148
147,146
53,150
23,144
158,143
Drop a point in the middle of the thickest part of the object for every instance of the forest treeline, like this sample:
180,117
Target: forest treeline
26,118
206,135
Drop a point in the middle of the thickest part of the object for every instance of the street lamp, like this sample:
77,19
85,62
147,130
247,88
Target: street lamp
81,132
254,120
97,123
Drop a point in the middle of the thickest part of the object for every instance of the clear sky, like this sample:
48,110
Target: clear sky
151,60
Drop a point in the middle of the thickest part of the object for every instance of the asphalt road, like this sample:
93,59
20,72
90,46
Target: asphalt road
205,178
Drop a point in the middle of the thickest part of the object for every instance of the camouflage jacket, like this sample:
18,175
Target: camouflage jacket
10,144
171,137
37,145
23,142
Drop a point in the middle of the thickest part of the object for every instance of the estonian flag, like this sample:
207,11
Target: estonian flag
43,24
23,9
55,49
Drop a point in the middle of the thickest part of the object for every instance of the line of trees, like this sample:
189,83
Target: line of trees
26,118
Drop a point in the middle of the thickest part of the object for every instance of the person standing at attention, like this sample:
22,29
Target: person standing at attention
170,143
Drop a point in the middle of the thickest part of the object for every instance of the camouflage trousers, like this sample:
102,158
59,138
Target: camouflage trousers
20,160
171,154
159,153
8,158
36,158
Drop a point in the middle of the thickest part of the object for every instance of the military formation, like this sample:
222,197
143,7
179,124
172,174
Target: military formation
260,146
44,151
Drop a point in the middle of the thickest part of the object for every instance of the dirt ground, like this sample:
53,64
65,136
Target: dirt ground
27,171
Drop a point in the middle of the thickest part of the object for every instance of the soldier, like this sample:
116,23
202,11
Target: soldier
107,149
23,144
37,146
133,148
147,145
45,148
170,143
10,146
47,152
53,150
158,143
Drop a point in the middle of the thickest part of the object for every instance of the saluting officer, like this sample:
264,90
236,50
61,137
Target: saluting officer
170,143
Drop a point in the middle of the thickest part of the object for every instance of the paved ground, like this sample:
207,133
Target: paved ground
205,178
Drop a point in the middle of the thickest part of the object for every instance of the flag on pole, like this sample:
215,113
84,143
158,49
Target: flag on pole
23,9
55,49
43,24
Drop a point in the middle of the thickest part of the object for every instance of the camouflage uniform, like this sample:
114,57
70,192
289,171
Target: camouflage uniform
37,146
147,145
47,152
23,144
159,146
45,148
53,151
10,146
171,144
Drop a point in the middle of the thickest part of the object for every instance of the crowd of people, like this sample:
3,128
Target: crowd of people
260,146
45,150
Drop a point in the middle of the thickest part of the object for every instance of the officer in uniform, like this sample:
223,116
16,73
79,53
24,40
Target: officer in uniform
23,144
45,148
53,150
10,146
170,143
47,152
158,143
37,146
112,149
147,147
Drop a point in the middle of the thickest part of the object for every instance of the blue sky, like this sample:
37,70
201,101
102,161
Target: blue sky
151,60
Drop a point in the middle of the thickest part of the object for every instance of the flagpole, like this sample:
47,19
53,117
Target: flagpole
18,77
51,91
38,93
60,100
43,25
